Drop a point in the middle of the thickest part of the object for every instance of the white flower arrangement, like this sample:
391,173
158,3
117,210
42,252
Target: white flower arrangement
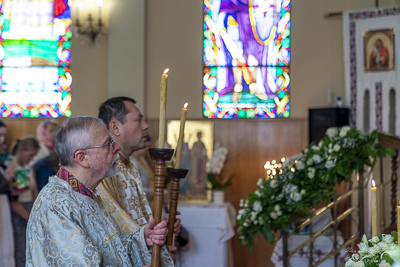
214,168
377,252
305,181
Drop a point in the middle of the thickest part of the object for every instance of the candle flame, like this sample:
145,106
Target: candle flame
373,183
166,71
186,104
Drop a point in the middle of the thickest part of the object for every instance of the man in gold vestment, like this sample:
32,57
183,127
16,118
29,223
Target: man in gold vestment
123,193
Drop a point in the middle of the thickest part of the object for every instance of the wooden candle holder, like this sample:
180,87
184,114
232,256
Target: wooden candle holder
176,175
160,155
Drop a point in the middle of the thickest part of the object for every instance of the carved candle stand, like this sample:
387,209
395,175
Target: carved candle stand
160,155
176,175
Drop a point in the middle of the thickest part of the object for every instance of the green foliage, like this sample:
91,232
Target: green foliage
305,181
217,183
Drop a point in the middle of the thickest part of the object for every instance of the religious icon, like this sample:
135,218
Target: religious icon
197,147
379,50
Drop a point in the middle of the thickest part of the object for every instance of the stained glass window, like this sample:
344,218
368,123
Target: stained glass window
35,57
246,58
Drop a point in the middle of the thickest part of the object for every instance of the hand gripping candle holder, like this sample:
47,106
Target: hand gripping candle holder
160,155
176,175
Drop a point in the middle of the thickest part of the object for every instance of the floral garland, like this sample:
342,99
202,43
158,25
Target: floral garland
376,252
306,180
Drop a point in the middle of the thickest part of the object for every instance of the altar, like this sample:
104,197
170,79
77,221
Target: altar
210,228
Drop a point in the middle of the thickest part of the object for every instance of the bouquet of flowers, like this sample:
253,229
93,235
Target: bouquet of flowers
306,180
376,252
215,166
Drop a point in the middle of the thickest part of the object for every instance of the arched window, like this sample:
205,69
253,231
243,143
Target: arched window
35,57
246,59
367,108
392,111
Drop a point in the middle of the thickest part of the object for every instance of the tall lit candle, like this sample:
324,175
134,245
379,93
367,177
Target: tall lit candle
180,138
163,106
374,218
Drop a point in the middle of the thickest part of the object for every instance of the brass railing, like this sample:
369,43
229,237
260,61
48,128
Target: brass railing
386,141
334,223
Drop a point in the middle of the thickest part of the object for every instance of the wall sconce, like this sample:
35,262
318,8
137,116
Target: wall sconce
90,28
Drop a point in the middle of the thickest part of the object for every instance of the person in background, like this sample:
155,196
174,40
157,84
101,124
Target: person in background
44,168
6,231
123,192
24,182
45,135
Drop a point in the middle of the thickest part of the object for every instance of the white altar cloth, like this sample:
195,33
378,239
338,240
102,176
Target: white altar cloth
210,229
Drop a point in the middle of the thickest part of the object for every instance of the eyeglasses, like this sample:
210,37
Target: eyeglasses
110,142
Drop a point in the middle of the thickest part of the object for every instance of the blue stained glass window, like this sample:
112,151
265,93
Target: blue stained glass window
246,58
35,58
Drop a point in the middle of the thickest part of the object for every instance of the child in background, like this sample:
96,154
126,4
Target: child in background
23,151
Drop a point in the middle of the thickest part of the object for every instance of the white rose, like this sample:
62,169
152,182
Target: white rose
260,182
382,245
310,162
303,191
388,239
350,263
257,206
374,239
363,247
359,264
336,148
315,148
355,257
245,224
330,164
273,215
277,208
300,165
344,130
273,183
316,158
384,264
258,193
297,197
332,132
374,250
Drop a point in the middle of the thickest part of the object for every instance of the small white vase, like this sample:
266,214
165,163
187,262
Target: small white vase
218,196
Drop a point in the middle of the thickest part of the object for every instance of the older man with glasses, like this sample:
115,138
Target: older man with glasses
69,224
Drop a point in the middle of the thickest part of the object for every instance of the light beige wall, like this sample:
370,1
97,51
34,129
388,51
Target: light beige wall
126,57
317,55
89,72
174,40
